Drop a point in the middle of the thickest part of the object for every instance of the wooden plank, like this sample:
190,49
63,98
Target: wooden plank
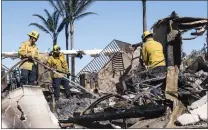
171,94
172,83
178,109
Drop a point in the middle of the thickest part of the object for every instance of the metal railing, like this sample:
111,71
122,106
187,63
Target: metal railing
103,58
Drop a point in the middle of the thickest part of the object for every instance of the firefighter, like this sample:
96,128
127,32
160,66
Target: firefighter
28,49
57,62
152,55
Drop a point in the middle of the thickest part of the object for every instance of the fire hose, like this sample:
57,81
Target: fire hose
71,82
55,71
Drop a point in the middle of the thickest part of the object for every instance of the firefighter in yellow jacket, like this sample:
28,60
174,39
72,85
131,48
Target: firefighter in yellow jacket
28,49
57,62
152,55
152,51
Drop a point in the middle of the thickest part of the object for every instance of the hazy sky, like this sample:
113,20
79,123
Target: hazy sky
120,20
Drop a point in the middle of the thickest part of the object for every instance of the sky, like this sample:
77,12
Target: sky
121,20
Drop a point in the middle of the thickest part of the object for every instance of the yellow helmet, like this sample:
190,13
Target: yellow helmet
145,34
56,48
34,34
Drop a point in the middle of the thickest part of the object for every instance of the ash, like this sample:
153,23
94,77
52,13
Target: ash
66,107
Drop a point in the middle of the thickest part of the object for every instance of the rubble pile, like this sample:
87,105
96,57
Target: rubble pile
139,87
128,99
66,107
137,107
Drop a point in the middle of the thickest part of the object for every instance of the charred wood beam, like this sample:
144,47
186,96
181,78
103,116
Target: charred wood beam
207,40
146,111
195,22
153,79
189,38
187,19
189,27
191,92
173,63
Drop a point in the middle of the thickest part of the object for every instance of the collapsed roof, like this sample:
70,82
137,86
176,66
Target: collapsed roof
185,24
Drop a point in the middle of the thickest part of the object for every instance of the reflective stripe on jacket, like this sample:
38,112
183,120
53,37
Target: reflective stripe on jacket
58,63
25,50
152,53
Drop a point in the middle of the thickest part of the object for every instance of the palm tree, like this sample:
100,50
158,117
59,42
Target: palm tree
50,25
71,11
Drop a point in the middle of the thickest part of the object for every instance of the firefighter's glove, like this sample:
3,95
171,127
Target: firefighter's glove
45,67
30,57
68,74
37,58
50,53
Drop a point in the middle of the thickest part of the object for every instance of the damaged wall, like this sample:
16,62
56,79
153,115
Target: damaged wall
27,108
172,49
107,80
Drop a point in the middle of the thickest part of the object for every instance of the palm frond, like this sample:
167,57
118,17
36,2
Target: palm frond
83,15
61,7
53,5
83,7
55,17
50,25
49,21
44,21
81,3
68,19
73,6
67,4
48,15
61,26
40,27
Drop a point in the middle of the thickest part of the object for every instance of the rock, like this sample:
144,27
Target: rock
186,119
